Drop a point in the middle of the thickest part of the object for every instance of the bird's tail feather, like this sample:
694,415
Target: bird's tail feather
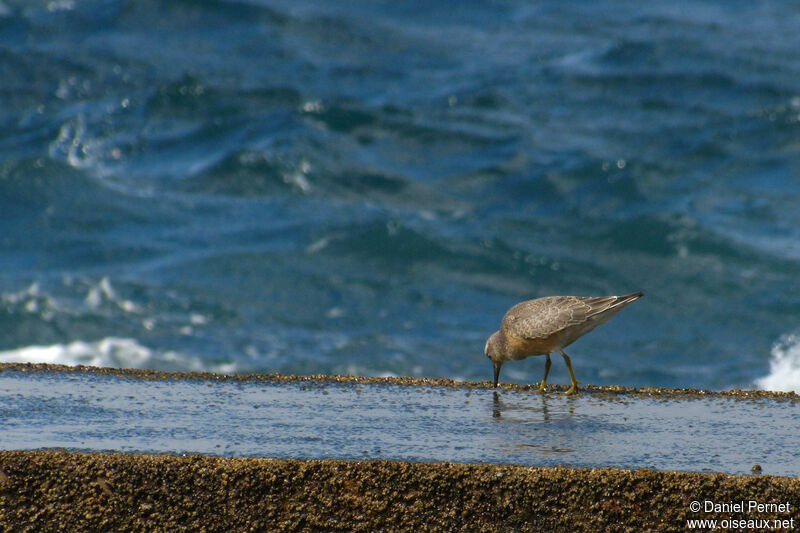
602,304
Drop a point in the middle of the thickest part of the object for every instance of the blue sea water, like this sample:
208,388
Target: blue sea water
366,187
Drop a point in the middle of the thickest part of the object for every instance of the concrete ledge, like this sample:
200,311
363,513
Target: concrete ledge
59,491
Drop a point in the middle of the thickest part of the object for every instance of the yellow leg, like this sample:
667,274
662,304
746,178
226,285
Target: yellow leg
542,385
574,388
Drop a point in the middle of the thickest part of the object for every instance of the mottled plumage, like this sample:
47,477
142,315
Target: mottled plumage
546,325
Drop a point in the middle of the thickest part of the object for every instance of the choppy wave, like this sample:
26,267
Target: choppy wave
111,352
361,188
784,366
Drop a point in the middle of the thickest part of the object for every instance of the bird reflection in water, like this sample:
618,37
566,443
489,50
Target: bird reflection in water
498,406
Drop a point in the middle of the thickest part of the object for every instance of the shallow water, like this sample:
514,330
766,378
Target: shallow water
365,187
329,420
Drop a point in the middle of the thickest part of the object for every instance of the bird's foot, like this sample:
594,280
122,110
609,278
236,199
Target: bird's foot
542,389
572,390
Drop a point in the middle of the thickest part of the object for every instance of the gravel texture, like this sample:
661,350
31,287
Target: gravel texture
60,491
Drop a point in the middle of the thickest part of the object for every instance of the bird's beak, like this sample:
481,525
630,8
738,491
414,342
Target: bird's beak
496,373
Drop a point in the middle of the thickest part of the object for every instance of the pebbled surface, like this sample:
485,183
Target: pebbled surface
57,491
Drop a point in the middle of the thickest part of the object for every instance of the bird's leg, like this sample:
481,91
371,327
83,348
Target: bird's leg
542,385
496,373
574,388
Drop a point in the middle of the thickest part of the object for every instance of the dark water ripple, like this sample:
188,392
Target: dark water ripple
365,188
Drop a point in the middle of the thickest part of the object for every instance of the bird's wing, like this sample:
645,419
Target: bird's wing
543,317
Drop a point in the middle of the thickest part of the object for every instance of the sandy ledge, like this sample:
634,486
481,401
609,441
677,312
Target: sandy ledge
607,390
60,491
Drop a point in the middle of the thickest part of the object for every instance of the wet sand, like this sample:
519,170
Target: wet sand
59,491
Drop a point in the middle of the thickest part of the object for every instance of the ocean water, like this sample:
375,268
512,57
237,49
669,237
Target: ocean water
365,187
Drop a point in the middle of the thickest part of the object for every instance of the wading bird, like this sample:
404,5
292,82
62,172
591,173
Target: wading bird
546,325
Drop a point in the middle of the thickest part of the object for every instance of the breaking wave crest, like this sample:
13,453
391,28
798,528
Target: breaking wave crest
784,366
111,352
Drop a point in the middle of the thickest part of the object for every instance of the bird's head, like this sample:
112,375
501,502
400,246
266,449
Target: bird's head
494,351
492,348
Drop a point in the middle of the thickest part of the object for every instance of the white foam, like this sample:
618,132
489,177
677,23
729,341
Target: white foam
784,366
111,352
102,292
